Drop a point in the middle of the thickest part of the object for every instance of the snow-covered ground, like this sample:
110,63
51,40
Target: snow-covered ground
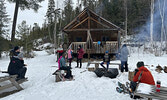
86,86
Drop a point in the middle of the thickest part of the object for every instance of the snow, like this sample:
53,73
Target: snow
86,86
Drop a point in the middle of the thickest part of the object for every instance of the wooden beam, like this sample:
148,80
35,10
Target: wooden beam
75,19
100,23
70,30
15,84
80,23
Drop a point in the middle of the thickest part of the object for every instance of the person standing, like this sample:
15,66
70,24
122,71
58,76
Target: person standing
124,58
80,53
59,52
70,51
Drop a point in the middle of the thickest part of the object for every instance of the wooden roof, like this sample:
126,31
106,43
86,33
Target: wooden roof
89,20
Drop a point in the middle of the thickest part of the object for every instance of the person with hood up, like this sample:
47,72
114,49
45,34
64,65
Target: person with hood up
124,58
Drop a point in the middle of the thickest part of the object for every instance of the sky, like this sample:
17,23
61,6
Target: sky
30,16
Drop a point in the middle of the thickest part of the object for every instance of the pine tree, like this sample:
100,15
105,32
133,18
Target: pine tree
68,11
23,4
50,11
4,20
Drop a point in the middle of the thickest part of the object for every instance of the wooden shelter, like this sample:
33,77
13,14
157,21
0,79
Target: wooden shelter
94,33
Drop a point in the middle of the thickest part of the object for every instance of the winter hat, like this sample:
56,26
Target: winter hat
140,64
106,51
20,56
80,46
16,48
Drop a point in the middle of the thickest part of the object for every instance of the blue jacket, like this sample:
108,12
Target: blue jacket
124,54
62,62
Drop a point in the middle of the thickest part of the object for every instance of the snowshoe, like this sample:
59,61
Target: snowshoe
123,87
119,90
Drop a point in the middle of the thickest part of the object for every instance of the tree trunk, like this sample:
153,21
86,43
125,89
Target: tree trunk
0,54
14,21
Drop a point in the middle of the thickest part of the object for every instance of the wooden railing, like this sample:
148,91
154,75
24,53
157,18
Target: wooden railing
110,46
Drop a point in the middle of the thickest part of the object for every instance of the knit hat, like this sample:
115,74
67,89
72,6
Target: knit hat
106,51
20,56
16,48
140,64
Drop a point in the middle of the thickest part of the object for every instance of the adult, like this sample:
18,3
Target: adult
106,60
17,66
142,75
70,51
124,58
59,52
80,53
62,66
14,52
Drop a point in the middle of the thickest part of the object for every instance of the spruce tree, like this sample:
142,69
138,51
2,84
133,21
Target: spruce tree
4,20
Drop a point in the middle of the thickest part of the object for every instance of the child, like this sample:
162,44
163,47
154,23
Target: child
106,60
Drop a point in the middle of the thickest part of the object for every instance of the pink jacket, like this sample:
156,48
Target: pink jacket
69,54
59,62
80,53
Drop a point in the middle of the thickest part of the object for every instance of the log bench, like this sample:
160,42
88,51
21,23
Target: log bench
97,64
162,95
59,75
13,82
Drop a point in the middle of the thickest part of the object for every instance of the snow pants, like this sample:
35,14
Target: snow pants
68,75
124,63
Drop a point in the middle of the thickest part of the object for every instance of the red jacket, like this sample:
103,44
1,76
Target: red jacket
80,53
146,76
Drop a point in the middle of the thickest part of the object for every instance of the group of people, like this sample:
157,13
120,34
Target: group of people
16,65
123,56
142,74
69,55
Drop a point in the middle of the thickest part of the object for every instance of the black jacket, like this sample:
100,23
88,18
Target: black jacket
106,58
15,65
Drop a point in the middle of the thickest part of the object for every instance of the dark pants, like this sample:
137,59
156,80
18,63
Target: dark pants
103,65
124,63
133,86
79,60
68,75
22,72
70,60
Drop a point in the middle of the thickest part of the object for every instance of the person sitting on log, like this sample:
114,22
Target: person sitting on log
106,60
17,66
62,66
142,75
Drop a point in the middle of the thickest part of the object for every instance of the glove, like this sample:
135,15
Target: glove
136,70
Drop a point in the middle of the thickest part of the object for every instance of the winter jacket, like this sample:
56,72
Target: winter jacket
59,62
59,50
62,62
124,54
106,58
146,76
69,54
80,53
15,65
